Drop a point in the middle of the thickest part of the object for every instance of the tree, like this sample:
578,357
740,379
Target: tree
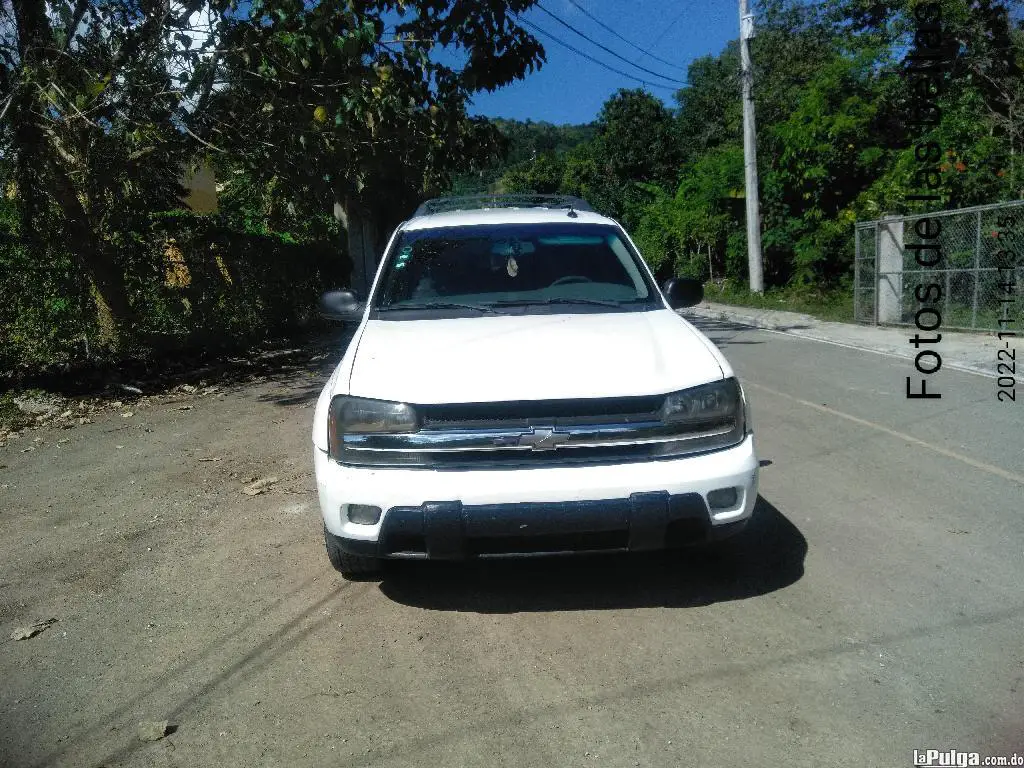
686,233
710,112
104,102
345,113
825,155
92,121
542,175
529,138
982,126
526,141
636,142
637,138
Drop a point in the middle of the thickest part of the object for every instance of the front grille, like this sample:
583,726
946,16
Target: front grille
529,413
544,433
614,454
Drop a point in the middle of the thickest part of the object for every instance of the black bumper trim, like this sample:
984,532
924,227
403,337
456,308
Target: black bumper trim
648,519
450,530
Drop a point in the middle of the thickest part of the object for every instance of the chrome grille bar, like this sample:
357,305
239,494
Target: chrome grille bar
531,440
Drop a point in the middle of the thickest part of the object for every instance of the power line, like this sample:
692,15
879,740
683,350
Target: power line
601,24
665,31
588,57
609,50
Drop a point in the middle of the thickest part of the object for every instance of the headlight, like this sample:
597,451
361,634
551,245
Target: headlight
705,418
362,416
709,405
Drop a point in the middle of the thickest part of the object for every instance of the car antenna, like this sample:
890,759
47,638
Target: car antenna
572,214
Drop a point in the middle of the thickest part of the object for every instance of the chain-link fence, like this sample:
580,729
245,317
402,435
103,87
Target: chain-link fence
975,257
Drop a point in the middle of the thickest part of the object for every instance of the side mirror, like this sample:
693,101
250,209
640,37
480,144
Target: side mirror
341,305
683,292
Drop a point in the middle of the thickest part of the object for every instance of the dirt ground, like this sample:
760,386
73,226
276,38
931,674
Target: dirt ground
178,597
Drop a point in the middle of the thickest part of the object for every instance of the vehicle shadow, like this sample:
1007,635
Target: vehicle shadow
723,333
767,556
710,325
301,384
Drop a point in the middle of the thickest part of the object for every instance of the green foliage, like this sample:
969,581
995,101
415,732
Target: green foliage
267,209
636,138
710,113
634,141
834,304
240,286
542,175
687,234
306,110
335,110
303,108
528,139
46,316
196,283
831,101
526,142
825,154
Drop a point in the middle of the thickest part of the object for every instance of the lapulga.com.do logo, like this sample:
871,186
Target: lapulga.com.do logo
951,757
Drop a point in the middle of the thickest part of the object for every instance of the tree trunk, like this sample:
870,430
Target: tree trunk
363,233
114,312
40,173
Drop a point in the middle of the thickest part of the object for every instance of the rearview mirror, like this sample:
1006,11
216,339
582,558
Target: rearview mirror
508,248
342,305
683,292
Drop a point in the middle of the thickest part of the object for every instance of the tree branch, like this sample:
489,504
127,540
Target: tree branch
7,105
202,141
70,102
66,156
80,8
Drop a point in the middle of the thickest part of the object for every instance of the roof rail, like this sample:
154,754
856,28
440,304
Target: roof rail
480,202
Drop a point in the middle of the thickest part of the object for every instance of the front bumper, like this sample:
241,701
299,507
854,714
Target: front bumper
456,514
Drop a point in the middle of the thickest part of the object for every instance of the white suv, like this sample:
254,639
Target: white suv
517,385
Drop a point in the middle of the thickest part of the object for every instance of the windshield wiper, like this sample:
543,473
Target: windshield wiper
440,305
562,300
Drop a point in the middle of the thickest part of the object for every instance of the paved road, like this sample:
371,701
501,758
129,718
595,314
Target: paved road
877,605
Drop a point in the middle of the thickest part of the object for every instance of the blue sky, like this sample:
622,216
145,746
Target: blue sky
570,89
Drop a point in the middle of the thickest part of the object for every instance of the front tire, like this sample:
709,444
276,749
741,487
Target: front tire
352,567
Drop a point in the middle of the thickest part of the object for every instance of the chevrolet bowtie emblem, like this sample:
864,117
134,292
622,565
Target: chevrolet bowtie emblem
543,439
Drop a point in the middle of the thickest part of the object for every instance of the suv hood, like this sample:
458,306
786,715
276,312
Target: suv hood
531,357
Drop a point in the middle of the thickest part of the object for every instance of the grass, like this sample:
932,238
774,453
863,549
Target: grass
837,306
834,305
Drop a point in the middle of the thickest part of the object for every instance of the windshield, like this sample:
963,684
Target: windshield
559,267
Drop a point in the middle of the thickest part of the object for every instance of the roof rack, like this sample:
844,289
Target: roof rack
481,202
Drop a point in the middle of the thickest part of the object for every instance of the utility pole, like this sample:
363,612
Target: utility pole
750,154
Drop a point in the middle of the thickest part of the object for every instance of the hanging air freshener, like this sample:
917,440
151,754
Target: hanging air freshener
511,266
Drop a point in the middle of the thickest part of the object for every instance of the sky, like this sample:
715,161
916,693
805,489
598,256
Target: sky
570,89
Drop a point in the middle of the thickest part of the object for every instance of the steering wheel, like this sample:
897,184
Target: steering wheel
567,279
